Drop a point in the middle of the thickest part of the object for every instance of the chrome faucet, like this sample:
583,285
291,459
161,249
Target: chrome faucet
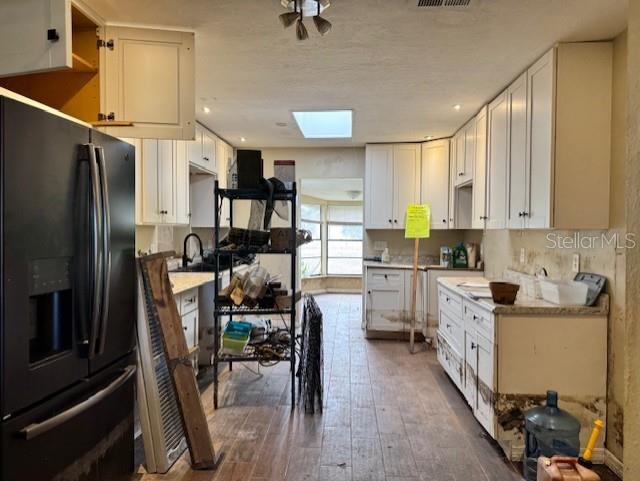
185,257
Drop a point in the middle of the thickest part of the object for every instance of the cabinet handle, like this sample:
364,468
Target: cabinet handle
444,220
185,328
475,318
525,214
390,221
460,174
52,35
473,346
386,277
396,221
448,326
369,292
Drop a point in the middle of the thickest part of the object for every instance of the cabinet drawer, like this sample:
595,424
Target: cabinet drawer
189,323
188,301
478,318
385,278
452,330
450,360
450,301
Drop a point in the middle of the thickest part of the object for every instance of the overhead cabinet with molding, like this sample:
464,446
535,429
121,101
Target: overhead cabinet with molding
128,81
479,206
464,153
392,181
202,151
549,150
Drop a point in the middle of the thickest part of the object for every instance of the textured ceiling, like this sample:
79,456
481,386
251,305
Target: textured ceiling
399,67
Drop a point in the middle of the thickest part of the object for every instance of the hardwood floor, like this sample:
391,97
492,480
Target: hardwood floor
389,416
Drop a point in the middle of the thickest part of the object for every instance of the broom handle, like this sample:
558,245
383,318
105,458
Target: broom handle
414,292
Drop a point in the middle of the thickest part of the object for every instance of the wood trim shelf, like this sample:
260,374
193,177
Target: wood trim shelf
112,123
80,65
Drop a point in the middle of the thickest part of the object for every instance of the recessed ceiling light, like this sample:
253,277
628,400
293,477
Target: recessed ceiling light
429,137
206,110
457,106
326,124
242,139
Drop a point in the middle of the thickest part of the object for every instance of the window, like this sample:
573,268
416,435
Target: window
311,253
344,240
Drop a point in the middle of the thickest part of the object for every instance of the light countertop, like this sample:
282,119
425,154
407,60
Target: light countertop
183,281
524,305
422,267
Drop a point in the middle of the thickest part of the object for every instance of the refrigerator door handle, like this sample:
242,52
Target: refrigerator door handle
97,246
106,249
36,429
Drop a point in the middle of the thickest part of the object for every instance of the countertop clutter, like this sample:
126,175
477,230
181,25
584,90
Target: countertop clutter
421,266
476,288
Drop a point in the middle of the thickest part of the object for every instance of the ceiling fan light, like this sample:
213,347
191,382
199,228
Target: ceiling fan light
287,19
301,30
323,25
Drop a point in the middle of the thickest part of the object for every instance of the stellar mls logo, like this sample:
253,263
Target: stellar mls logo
582,241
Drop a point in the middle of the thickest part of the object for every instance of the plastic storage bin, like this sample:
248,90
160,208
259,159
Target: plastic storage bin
564,292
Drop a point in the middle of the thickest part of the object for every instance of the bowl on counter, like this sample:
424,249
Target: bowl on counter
504,292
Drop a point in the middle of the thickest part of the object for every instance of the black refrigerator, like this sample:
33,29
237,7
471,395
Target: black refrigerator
67,299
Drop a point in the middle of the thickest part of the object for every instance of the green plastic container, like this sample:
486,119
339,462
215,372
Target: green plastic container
460,257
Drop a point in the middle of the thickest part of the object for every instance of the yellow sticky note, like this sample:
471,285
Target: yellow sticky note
417,221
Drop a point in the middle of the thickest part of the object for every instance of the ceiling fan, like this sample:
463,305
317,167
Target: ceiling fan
298,9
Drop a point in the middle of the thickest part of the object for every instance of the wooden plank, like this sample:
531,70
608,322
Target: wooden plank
161,303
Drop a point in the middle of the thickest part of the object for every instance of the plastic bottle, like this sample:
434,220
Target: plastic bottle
549,431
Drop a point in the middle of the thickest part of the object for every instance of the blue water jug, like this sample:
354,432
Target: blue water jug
549,431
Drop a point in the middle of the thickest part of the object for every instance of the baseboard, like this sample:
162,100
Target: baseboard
315,292
613,463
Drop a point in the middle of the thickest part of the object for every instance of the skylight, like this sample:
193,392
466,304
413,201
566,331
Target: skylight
330,124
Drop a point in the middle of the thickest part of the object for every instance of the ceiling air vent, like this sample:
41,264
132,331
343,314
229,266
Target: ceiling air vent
443,3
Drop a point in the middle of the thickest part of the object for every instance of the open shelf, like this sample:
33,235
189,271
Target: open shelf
81,65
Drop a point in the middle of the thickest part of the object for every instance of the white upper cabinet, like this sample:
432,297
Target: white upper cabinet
434,188
129,82
464,153
497,158
202,151
150,81
163,183
378,195
479,207
392,181
517,100
41,44
406,180
459,152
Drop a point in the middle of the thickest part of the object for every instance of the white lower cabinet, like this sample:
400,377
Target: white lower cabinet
504,360
387,299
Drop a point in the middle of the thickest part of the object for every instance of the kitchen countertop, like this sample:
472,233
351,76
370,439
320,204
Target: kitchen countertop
183,281
422,267
524,305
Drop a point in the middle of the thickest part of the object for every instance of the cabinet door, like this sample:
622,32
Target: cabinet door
435,181
150,184
469,134
469,380
460,152
385,308
497,155
167,180
149,80
195,147
486,385
24,47
453,176
479,210
517,100
209,151
183,213
541,95
406,180
224,160
378,195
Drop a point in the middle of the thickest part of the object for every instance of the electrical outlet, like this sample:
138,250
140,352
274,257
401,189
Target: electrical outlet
523,257
379,245
575,264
